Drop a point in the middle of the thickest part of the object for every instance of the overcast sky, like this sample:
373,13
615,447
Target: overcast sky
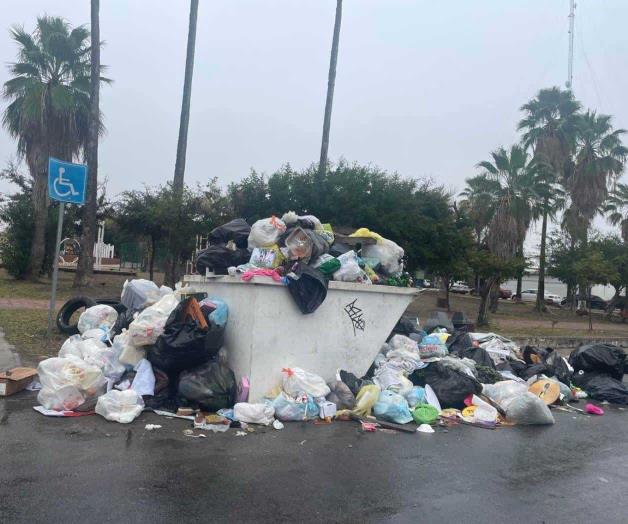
423,88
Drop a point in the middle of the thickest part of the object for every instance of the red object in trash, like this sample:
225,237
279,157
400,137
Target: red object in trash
592,409
369,426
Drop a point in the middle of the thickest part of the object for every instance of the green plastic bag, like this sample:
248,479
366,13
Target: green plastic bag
425,414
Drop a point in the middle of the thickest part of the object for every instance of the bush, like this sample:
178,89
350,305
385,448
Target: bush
15,241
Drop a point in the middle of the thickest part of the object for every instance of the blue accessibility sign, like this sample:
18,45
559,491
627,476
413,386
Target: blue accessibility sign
66,181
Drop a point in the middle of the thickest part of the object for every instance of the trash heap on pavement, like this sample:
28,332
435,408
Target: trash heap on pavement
302,253
165,353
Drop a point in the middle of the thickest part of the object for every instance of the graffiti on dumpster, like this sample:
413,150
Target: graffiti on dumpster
356,316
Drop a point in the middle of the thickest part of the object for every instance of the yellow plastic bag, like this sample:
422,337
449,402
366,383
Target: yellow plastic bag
365,232
365,400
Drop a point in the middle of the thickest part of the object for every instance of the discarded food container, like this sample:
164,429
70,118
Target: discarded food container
345,332
327,409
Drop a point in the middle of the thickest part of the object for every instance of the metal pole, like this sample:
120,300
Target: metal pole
572,16
55,271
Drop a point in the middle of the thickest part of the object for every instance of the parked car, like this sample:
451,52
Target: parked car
555,300
505,293
596,301
527,295
460,287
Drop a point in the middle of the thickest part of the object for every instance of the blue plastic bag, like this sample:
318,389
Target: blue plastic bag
290,409
416,396
392,407
432,347
221,314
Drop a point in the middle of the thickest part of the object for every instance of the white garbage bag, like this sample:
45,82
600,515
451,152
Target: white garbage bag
129,354
120,406
140,293
68,382
388,253
350,270
296,381
254,413
144,381
266,232
99,316
149,324
521,406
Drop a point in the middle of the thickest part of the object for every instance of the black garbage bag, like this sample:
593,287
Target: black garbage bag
307,286
479,355
339,248
406,326
534,355
601,386
536,369
561,367
459,341
237,230
601,358
211,386
218,258
122,322
183,344
354,383
450,385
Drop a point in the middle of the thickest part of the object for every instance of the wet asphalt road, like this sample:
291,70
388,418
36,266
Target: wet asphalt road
90,470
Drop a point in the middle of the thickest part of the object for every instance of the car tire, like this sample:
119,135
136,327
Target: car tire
68,309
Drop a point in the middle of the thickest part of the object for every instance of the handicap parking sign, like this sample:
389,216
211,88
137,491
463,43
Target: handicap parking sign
66,181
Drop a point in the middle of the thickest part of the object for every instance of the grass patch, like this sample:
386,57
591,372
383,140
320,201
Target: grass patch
26,330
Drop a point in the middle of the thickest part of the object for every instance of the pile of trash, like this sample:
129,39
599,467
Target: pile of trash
165,353
302,253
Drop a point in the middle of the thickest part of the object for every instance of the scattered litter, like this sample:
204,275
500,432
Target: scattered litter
241,434
425,428
190,433
592,409
151,427
277,424
302,442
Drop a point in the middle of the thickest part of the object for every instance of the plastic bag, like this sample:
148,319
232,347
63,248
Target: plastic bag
220,315
294,409
415,396
254,413
387,253
149,324
350,270
528,409
144,380
601,386
99,316
237,230
504,390
365,400
599,358
450,385
425,414
120,406
265,232
431,347
341,395
218,258
68,382
389,376
266,257
307,286
392,407
211,386
296,381
129,355
139,293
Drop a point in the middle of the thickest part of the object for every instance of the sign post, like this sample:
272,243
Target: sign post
66,183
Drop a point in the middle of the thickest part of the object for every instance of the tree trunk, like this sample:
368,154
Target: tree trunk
446,282
331,83
85,267
590,315
520,273
483,311
182,144
171,274
40,217
151,263
540,294
494,298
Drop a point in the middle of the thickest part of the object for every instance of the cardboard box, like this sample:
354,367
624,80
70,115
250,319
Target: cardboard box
15,380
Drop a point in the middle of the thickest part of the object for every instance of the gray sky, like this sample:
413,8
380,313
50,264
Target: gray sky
423,88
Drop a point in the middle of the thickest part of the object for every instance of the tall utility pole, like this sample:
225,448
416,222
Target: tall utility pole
331,82
572,16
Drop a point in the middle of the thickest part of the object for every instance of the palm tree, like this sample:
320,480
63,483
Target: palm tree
515,176
182,143
600,157
85,266
549,130
48,109
617,209
331,84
